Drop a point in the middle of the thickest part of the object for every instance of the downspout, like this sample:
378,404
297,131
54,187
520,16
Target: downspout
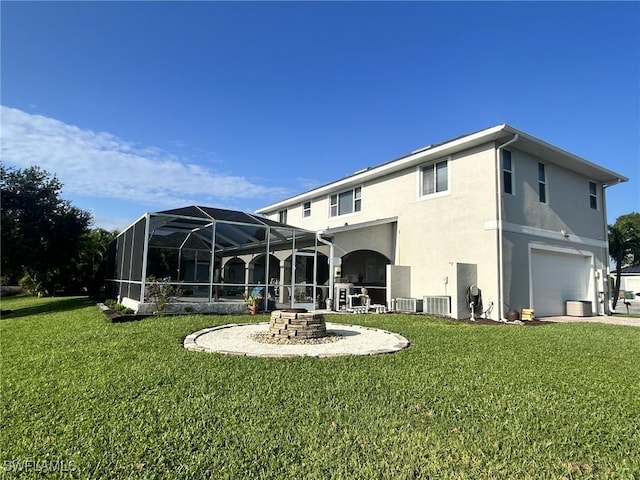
500,197
331,270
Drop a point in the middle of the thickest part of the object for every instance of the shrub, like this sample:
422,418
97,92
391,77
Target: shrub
161,292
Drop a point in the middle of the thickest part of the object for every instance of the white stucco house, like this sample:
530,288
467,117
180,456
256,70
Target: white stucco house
522,220
630,279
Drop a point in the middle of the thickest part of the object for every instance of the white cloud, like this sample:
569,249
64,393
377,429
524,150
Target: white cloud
99,164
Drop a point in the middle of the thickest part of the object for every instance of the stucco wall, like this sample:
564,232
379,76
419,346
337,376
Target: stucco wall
433,233
436,233
567,206
380,238
565,221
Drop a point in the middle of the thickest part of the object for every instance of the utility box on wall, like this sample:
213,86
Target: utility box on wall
398,282
466,274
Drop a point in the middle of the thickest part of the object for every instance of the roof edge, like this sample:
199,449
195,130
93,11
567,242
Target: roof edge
455,144
480,136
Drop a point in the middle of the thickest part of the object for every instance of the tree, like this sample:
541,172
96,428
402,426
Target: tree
41,233
91,259
624,246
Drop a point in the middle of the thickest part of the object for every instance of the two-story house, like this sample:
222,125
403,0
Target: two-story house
520,219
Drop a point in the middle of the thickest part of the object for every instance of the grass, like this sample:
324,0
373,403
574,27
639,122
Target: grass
463,401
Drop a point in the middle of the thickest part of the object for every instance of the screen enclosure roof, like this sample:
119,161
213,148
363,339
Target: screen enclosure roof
236,232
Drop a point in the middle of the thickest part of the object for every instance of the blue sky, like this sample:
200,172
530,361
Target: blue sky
145,106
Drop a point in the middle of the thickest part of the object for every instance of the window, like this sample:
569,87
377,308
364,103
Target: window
507,172
435,178
282,216
346,202
542,183
306,209
593,195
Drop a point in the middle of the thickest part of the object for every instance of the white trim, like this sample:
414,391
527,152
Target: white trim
431,196
543,233
433,163
302,204
599,194
358,226
283,215
447,148
421,156
545,183
353,202
567,250
512,172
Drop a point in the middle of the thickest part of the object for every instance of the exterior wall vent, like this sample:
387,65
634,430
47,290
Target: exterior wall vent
437,304
410,305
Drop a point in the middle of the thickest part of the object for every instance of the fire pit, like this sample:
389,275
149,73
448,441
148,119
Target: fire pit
298,324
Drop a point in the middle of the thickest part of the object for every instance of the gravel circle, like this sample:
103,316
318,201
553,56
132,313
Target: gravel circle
244,339
269,338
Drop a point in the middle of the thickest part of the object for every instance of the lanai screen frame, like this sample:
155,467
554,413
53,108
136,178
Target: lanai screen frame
233,233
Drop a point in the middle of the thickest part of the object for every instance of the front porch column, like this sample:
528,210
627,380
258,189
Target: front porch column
248,269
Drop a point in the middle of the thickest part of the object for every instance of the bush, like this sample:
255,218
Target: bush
31,285
118,307
161,292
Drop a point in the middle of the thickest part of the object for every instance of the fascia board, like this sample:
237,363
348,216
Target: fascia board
359,226
401,163
575,162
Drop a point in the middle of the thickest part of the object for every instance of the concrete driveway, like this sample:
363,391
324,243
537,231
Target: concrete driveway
632,306
612,320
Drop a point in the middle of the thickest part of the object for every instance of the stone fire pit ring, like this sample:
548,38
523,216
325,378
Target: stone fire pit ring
241,340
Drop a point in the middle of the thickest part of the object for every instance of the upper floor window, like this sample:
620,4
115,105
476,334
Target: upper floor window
346,202
282,216
435,177
542,183
593,195
306,209
507,172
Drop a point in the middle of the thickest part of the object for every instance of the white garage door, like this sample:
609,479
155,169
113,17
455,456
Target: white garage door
557,277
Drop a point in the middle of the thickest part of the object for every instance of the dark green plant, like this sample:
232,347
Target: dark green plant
41,233
31,285
624,246
91,258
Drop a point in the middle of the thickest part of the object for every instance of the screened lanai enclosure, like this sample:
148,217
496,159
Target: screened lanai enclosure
213,257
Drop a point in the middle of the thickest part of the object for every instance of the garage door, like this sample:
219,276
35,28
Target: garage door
558,277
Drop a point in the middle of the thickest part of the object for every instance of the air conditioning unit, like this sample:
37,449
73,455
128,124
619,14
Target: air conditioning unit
409,305
437,304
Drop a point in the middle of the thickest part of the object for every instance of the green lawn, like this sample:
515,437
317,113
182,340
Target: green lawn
125,400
